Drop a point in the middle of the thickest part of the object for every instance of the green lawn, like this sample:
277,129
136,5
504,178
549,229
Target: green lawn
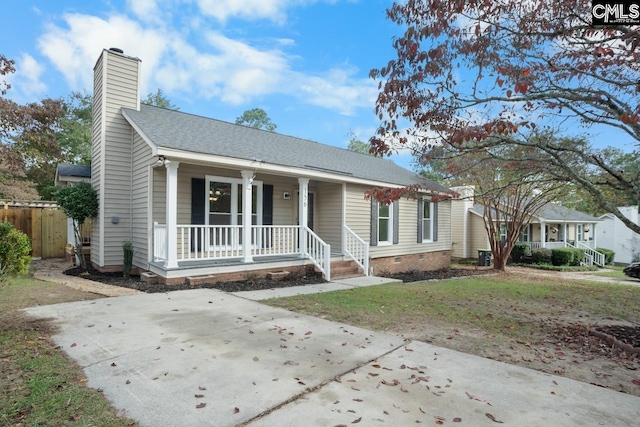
512,306
40,386
616,272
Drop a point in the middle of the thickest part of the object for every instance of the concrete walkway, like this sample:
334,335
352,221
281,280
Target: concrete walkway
206,358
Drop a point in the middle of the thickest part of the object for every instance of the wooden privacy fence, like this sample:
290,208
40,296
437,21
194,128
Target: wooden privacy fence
45,225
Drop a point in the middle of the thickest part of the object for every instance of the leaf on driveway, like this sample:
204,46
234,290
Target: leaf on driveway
392,383
479,399
457,419
113,364
635,381
354,388
255,358
73,345
291,362
128,382
202,388
201,405
236,410
308,333
356,421
492,418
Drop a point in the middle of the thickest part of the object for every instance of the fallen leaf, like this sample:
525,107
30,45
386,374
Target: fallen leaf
154,378
492,418
236,410
255,358
113,364
457,420
202,388
373,374
327,351
376,366
291,362
408,349
356,421
121,413
308,333
421,410
357,400
201,405
351,410
636,382
402,389
73,345
479,399
128,382
199,396
353,388
385,412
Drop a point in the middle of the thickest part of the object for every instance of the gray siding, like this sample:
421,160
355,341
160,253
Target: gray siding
329,214
141,229
96,163
359,217
114,146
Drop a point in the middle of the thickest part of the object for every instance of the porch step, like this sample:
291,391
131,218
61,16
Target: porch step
344,270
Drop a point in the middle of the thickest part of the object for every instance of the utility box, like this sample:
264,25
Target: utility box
484,257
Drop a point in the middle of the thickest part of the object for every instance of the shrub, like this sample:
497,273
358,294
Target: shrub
608,255
519,252
14,251
562,256
541,256
127,248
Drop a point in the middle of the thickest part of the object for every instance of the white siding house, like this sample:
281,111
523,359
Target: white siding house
202,199
613,234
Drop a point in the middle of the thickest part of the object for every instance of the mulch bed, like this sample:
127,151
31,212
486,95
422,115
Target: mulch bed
620,343
446,273
134,282
311,278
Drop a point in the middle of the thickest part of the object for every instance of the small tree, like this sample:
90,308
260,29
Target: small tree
78,202
14,251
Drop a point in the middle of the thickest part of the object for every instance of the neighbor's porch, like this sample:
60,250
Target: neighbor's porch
243,220
560,235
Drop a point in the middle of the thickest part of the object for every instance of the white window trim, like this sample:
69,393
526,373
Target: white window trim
422,218
389,228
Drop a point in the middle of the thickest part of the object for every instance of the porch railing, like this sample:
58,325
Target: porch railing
159,242
591,255
215,242
318,252
357,249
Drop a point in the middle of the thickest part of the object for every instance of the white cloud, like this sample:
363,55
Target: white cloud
222,10
26,83
232,70
146,10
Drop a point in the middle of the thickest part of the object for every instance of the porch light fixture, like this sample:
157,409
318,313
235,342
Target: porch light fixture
160,162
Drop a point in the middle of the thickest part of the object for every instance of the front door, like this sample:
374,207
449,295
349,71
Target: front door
224,210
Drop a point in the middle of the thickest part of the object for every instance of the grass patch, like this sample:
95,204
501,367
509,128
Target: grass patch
41,386
616,272
512,306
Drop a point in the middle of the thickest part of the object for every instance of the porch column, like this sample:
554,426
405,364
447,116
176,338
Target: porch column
172,214
247,197
543,234
303,213
593,230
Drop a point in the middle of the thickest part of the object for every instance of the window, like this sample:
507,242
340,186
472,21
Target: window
385,223
524,234
580,232
427,222
503,232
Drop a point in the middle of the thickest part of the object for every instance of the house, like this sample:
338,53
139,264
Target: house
204,200
613,234
554,226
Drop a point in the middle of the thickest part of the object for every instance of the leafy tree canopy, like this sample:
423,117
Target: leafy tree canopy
494,72
256,118
159,99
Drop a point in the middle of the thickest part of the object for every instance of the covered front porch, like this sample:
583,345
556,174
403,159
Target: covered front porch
560,235
244,221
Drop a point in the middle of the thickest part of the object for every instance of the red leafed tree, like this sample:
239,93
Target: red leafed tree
498,70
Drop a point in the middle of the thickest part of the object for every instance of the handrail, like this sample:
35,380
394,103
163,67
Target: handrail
357,249
598,258
318,252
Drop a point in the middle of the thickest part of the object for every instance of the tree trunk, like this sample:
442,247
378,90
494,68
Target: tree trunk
79,253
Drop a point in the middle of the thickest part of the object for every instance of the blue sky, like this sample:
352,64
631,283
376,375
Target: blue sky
305,62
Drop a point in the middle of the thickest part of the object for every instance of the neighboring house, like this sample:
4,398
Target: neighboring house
554,226
66,175
199,197
613,234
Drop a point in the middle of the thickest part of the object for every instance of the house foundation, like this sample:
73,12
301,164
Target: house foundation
411,262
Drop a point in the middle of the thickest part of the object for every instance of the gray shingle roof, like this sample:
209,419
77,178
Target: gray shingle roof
80,171
197,134
553,212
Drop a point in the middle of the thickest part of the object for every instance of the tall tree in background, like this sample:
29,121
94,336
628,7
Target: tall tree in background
469,70
358,145
159,99
74,135
256,118
28,148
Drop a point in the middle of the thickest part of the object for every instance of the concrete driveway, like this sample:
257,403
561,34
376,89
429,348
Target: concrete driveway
206,358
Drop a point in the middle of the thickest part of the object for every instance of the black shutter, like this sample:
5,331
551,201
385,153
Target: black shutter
267,204
396,222
435,221
374,223
198,198
420,219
